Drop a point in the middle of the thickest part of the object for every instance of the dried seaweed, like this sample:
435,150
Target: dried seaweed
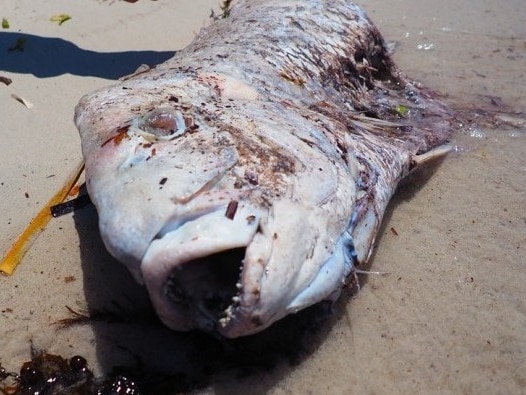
60,18
225,8
5,80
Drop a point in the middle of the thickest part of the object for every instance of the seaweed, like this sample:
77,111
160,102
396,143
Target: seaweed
225,8
49,374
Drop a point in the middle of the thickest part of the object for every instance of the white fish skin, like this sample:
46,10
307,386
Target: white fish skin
245,178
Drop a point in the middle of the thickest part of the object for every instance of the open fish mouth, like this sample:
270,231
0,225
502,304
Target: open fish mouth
208,286
193,268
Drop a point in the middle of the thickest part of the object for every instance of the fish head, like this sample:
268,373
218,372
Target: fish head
225,238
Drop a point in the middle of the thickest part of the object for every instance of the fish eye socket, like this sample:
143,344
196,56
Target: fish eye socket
162,124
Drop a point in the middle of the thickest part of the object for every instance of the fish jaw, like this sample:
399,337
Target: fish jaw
291,263
226,275
192,271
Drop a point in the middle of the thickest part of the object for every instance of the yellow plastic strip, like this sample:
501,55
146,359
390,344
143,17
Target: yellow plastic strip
37,225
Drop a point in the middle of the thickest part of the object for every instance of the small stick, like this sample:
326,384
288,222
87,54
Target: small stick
383,274
37,225
231,209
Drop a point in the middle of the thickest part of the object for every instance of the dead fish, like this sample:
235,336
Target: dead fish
246,178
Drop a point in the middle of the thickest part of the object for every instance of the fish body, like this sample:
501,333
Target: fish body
246,178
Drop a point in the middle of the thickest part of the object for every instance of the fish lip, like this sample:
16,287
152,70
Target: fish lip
184,243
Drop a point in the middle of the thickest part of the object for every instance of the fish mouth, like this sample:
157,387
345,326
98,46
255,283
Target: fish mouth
207,288
193,268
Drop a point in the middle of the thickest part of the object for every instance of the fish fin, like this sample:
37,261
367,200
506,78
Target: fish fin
432,155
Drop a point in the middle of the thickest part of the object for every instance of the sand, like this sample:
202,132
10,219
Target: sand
449,318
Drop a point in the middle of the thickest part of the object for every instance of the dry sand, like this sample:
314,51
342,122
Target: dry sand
450,317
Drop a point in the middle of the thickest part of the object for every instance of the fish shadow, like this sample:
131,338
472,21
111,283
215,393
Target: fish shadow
46,57
130,340
406,190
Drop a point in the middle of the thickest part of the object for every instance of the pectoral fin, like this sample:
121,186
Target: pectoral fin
430,156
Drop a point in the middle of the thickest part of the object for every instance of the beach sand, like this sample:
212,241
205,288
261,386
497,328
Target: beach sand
450,316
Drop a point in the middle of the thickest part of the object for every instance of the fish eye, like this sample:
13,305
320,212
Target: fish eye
162,124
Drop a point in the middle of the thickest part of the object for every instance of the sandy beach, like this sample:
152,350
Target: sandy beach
450,316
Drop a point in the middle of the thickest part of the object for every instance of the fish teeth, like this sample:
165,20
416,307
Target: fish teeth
229,314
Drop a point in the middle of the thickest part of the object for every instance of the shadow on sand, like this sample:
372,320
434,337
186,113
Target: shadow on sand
49,56
132,341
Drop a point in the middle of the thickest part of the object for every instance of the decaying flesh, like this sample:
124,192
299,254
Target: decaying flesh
245,178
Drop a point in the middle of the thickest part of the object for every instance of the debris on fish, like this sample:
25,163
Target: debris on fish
246,178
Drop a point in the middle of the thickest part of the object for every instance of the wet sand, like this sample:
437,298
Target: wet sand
450,316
